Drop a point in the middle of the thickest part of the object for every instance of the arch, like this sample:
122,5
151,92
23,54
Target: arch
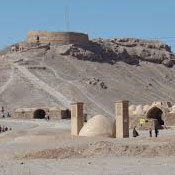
39,114
157,114
13,49
37,38
21,48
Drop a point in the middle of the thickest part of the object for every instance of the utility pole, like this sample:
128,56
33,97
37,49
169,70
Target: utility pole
67,11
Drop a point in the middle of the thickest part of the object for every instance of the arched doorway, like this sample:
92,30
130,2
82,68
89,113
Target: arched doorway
157,115
39,114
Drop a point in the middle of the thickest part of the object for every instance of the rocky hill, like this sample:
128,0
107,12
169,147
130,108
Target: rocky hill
140,71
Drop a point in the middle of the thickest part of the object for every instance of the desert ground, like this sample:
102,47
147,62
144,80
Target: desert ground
137,70
46,147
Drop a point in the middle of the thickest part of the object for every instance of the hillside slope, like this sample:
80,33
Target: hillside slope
98,75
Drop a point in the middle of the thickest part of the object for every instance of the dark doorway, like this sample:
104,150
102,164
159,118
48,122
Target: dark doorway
156,114
37,38
39,114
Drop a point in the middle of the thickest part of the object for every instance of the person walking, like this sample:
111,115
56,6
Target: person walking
3,128
2,109
8,114
6,128
150,132
46,117
156,132
135,133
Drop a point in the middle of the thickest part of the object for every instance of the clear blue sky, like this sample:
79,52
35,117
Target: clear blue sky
98,18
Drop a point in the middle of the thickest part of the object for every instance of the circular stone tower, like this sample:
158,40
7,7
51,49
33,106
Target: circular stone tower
58,37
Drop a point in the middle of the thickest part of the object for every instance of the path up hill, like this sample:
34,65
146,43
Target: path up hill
137,70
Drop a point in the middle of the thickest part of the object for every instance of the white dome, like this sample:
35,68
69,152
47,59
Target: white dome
139,110
145,108
139,107
132,108
98,125
172,109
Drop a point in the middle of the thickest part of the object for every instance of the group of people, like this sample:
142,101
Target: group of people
135,132
4,129
4,113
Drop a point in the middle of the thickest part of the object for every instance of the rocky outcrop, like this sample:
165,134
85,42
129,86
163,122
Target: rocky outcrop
168,63
95,82
77,51
129,50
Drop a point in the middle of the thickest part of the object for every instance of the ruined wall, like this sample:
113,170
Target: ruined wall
57,37
54,113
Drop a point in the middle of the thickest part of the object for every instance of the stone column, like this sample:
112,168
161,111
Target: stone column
77,118
122,119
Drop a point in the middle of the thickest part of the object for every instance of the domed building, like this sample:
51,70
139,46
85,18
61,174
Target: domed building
132,109
139,110
146,108
99,125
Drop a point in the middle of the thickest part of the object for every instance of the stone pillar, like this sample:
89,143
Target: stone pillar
77,118
122,119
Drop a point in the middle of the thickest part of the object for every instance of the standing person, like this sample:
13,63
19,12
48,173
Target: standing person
3,128
150,132
156,132
135,133
6,128
8,114
2,110
46,116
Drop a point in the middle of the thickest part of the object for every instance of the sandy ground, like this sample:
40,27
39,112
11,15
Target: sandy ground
40,147
96,166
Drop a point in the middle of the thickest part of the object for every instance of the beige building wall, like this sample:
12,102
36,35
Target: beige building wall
54,113
77,118
122,119
57,37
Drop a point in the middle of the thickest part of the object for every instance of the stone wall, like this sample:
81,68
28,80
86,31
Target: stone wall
57,37
54,113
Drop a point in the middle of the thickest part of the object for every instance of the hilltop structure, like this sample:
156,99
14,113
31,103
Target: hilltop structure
58,37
